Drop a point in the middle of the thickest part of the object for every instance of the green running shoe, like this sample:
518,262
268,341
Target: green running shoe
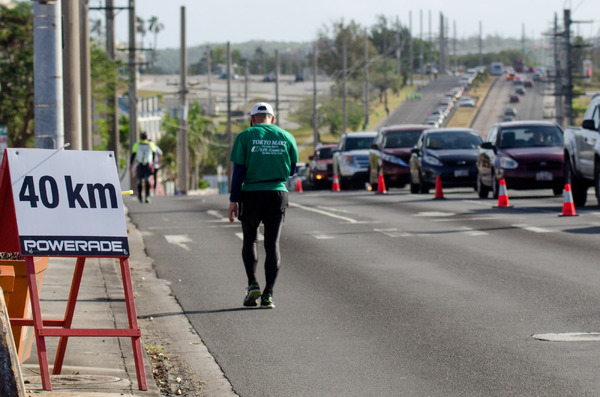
266,301
252,295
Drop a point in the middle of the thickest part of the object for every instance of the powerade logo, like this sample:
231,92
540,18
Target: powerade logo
74,246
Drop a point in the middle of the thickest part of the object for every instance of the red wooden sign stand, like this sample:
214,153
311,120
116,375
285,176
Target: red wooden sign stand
65,331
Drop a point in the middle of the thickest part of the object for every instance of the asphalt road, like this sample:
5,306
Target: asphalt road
415,111
530,107
391,295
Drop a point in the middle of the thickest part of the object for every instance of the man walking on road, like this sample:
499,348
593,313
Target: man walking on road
263,157
142,158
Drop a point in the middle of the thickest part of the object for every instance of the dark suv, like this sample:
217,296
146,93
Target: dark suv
320,168
390,154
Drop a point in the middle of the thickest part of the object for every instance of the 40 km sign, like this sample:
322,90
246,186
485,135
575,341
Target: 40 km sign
66,203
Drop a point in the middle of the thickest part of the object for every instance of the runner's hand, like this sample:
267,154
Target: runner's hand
232,211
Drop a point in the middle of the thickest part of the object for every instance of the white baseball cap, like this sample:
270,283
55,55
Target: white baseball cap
262,107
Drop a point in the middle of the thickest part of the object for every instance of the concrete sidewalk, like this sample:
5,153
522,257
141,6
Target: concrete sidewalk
104,366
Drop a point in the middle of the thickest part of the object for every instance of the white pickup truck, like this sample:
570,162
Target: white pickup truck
582,154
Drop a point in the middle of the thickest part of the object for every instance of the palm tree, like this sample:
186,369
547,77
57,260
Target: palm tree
96,28
141,28
154,26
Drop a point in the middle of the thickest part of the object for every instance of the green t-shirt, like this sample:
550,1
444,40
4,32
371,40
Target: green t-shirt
268,152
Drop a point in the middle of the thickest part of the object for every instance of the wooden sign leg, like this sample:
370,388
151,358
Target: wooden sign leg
38,323
69,312
132,316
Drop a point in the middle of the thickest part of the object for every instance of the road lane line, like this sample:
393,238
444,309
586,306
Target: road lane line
533,228
329,214
180,240
321,236
472,232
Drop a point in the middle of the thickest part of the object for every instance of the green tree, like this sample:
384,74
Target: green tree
154,27
16,73
201,145
330,50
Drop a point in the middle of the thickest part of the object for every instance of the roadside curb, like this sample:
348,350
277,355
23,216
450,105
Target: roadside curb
159,313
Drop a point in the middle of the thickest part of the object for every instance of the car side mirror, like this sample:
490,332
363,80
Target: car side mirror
588,124
311,157
486,145
414,150
374,146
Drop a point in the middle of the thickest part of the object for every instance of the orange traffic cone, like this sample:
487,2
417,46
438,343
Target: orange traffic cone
335,187
568,205
381,185
502,196
298,185
439,193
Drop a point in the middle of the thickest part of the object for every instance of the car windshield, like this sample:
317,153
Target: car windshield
530,136
358,143
452,141
325,153
401,139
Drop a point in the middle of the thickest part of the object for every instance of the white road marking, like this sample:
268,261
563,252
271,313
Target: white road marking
435,213
260,237
179,240
217,214
393,232
321,236
472,232
344,218
570,337
477,218
533,228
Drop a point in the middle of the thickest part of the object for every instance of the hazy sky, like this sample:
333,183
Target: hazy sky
238,21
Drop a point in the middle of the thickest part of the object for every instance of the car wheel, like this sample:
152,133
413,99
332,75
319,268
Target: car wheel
423,188
374,185
482,190
558,191
597,181
578,187
495,185
414,187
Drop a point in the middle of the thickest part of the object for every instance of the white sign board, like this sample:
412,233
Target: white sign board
67,203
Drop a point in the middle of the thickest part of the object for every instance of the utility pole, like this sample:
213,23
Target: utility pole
133,122
229,132
182,136
523,42
411,62
111,99
558,91
430,42
72,74
421,65
455,53
86,84
277,118
366,88
315,122
345,61
246,78
442,65
398,49
385,79
480,44
47,76
208,77
568,92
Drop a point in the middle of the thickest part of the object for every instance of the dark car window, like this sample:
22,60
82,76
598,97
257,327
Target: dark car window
355,143
452,141
401,139
531,136
325,153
